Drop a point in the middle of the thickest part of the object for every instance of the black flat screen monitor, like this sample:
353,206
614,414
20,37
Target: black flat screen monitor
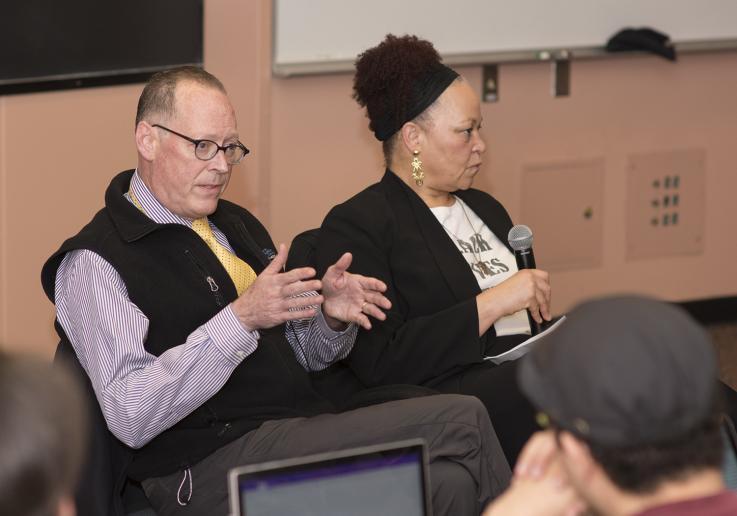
52,44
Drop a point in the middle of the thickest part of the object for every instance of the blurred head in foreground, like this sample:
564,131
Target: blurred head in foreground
630,386
43,429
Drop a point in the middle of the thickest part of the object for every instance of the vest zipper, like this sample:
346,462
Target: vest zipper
214,288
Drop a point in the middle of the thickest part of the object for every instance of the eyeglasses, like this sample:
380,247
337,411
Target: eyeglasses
205,150
546,422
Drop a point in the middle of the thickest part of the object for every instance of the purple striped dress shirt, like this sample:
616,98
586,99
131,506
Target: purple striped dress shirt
142,395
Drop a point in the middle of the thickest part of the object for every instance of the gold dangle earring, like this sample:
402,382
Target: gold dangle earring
417,174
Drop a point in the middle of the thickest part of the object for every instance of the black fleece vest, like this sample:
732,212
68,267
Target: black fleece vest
179,284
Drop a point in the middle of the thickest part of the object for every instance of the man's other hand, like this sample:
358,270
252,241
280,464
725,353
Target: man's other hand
352,297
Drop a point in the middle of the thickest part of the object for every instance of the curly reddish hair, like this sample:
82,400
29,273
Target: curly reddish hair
386,74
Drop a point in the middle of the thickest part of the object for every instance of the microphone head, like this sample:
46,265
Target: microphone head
520,237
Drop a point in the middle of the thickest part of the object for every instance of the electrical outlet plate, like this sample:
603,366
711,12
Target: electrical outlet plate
666,202
490,86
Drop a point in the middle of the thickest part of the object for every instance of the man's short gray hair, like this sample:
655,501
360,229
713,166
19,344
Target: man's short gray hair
158,95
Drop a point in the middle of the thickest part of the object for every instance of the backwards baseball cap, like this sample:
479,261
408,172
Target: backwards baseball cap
623,371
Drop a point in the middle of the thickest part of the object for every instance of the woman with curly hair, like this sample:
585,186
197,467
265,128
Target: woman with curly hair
436,242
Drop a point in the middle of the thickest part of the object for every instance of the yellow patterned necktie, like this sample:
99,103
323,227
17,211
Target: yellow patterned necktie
239,271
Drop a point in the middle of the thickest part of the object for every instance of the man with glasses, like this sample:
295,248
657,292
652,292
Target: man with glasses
198,345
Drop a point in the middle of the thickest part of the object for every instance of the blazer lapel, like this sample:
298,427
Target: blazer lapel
412,211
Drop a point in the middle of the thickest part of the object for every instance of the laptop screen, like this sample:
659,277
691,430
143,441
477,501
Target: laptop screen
387,479
729,465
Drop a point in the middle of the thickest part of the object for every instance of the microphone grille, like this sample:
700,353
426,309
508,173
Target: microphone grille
520,237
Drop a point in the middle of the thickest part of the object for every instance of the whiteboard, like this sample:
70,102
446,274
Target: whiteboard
314,36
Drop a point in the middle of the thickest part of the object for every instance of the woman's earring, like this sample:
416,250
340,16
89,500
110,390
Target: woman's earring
417,174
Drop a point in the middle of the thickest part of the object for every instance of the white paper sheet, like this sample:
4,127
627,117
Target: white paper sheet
522,348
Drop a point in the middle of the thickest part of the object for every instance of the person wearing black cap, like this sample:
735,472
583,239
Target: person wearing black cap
629,387
437,243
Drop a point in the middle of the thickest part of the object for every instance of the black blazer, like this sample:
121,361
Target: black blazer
431,331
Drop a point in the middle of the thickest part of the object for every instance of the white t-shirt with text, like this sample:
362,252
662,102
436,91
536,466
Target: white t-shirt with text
489,259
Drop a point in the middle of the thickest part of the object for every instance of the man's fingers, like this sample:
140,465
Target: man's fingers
336,273
298,287
379,300
277,264
298,303
298,313
372,310
371,283
362,321
537,454
343,262
303,273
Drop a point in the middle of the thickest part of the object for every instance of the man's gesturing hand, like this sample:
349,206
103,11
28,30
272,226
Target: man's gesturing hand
272,298
352,297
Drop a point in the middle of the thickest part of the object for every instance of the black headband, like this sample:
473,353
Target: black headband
423,92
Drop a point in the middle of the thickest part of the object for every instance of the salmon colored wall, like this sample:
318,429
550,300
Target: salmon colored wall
321,144
58,151
311,148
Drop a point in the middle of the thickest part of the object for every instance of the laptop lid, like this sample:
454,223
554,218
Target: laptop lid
388,479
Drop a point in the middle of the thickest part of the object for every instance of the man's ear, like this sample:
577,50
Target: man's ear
147,140
412,137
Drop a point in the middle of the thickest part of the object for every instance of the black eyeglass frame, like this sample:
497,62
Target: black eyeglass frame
580,427
218,147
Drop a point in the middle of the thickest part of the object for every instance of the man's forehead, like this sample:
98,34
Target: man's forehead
201,104
188,91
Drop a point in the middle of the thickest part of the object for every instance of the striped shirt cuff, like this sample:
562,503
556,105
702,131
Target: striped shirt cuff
230,337
327,331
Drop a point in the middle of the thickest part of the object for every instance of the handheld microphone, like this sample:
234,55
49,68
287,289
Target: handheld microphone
520,240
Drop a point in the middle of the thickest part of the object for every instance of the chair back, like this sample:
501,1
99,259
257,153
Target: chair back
338,383
103,472
303,250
